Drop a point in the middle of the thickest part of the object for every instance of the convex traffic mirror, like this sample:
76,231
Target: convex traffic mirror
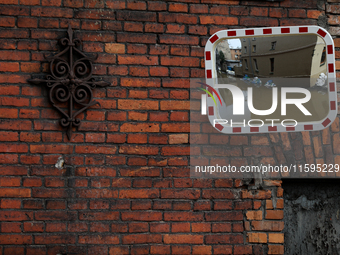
270,80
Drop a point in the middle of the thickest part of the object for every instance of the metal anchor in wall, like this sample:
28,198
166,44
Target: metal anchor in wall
70,82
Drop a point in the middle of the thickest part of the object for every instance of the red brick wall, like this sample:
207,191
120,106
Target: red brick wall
125,187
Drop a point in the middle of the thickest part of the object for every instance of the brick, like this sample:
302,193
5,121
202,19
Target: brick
14,250
178,7
124,250
185,194
138,227
333,8
16,239
177,161
159,49
314,14
179,116
257,237
182,216
160,249
27,22
51,3
274,214
145,172
9,113
51,12
297,13
204,249
136,16
140,194
179,39
267,225
275,249
296,21
7,147
142,216
222,205
10,181
238,227
9,67
157,6
49,23
8,159
259,140
182,249
33,226
115,48
138,149
95,14
223,216
99,216
109,149
177,18
136,38
223,249
183,239
33,204
198,8
137,60
140,82
197,30
224,239
276,237
15,215
221,20
179,61
243,249
9,2
255,21
254,215
133,27
154,28
201,227
175,29
137,138
32,182
10,204
99,227
9,90
136,49
67,149
74,3
181,205
99,239
159,227
217,193
279,203
178,139
14,101
258,11
138,116
180,227
202,205
139,127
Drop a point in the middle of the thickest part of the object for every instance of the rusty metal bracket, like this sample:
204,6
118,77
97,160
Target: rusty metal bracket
70,82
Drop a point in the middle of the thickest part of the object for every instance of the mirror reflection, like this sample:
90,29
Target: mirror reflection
265,62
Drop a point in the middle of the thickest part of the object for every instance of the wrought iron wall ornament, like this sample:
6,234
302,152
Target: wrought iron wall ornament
70,82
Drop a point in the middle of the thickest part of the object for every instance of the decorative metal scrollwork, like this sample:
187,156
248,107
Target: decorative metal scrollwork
70,82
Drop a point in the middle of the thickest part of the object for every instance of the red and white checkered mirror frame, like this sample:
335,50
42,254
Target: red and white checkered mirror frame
210,73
